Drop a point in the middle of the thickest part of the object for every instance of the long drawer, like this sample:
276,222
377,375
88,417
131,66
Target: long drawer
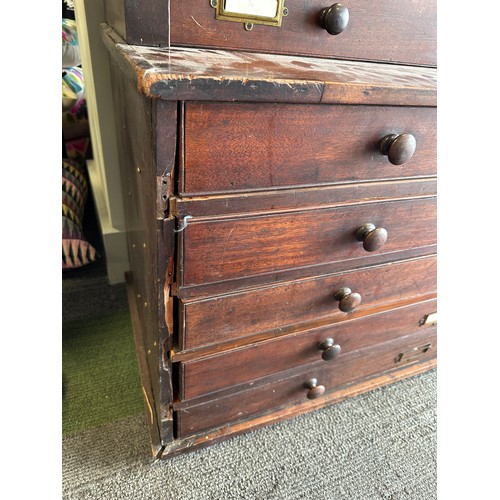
231,147
297,387
394,30
224,249
275,308
328,344
402,31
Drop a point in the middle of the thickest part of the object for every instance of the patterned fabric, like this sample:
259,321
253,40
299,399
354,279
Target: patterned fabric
70,47
73,78
73,88
78,149
76,250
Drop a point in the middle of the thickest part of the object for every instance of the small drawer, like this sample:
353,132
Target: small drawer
330,344
280,308
310,383
217,250
238,147
397,31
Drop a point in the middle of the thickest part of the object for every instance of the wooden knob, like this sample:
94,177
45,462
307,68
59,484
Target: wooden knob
315,390
373,237
329,348
334,19
348,300
398,148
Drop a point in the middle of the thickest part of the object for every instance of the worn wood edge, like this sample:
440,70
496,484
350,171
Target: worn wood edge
305,207
198,441
307,326
315,197
147,389
269,380
236,285
154,81
130,63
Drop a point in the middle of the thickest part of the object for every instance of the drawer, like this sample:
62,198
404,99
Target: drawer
280,308
398,31
292,388
329,344
227,249
237,147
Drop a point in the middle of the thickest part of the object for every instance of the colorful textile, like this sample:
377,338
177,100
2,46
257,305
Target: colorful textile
76,250
70,47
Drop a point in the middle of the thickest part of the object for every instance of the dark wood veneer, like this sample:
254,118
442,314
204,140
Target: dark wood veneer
268,190
219,250
377,32
228,317
290,387
223,370
247,147
218,75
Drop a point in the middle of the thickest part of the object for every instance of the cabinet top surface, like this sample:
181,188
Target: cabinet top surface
207,74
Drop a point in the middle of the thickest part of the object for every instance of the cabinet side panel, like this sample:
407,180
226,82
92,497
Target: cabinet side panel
115,16
135,115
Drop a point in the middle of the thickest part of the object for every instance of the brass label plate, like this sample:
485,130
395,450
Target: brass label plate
267,12
412,354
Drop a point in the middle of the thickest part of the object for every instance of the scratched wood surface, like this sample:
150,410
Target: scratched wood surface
213,373
290,388
149,254
249,147
397,31
274,309
207,74
297,198
204,439
221,250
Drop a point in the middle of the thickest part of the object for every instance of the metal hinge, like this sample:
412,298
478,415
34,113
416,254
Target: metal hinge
162,199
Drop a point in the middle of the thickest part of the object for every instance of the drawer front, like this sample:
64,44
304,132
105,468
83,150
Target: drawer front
248,147
221,250
293,389
276,308
239,366
402,31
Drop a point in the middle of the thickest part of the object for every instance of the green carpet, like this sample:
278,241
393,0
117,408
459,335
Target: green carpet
378,445
100,375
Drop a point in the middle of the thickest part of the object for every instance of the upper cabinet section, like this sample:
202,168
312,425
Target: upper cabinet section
392,31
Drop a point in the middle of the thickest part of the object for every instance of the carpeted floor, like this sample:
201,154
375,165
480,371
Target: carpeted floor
380,445
100,375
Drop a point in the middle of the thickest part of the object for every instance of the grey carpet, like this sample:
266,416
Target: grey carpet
379,445
88,294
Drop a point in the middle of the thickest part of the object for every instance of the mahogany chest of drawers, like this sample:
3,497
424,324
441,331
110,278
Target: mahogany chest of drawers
280,197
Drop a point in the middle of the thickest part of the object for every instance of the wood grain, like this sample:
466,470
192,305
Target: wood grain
221,250
181,73
291,388
148,256
249,147
148,389
295,199
202,440
274,308
251,362
398,31
146,22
